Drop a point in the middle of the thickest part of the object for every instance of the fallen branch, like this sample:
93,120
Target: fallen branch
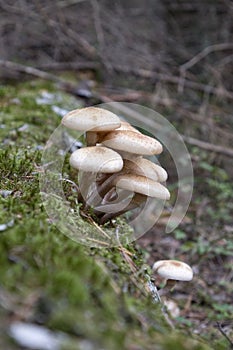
142,73
63,66
147,74
62,84
20,68
73,89
209,146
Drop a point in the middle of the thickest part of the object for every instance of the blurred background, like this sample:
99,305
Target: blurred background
174,56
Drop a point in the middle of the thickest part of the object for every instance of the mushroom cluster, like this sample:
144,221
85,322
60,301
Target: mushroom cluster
113,175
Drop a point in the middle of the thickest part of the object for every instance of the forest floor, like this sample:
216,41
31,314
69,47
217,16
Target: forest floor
94,298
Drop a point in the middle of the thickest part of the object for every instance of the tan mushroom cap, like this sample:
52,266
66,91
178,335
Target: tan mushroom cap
144,167
91,118
173,270
96,159
142,185
127,126
133,142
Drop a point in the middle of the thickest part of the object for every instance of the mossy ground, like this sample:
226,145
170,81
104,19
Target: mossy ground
96,295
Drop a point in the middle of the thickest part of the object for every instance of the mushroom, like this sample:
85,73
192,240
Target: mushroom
145,167
96,159
92,120
132,142
127,126
172,271
141,186
93,160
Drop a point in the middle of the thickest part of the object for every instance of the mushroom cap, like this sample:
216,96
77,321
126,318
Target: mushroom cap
128,155
141,184
91,118
127,126
96,159
144,167
173,270
133,142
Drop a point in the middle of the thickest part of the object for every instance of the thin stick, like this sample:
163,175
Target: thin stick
224,334
100,35
197,58
147,74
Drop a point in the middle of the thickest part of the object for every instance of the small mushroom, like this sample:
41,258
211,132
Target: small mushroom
131,181
96,159
141,186
144,167
172,271
132,142
92,160
91,120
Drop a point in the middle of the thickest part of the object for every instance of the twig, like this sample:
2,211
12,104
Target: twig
202,54
62,66
197,58
100,35
147,74
208,146
88,50
20,68
211,125
219,326
29,70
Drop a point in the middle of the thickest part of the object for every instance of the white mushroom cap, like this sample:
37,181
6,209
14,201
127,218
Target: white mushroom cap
91,118
133,142
144,167
143,185
173,270
96,159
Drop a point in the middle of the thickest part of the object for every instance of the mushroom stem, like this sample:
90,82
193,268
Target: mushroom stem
86,185
110,196
94,137
170,284
167,286
136,201
91,138
102,188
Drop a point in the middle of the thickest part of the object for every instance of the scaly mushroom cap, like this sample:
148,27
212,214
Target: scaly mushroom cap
91,118
133,142
144,167
173,270
96,159
141,184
